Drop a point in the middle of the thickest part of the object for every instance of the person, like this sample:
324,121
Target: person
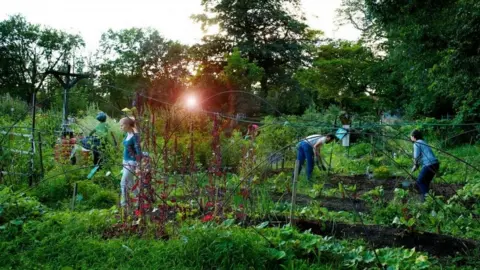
423,154
132,155
252,132
309,148
98,142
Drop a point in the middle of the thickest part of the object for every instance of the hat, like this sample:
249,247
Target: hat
102,117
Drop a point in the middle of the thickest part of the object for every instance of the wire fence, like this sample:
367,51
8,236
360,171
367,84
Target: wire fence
172,185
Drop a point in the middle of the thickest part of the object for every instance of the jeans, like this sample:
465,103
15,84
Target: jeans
128,177
305,151
425,177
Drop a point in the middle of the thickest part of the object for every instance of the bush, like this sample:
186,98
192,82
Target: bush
12,108
381,172
359,150
16,208
91,195
58,184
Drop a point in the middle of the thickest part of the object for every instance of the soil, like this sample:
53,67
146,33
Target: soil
364,185
381,236
331,203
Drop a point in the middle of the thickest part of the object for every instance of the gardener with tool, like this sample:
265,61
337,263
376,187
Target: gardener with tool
310,147
423,154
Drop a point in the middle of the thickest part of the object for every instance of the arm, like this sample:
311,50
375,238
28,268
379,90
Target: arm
416,156
316,149
92,132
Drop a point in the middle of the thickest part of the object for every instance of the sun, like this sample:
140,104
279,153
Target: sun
192,102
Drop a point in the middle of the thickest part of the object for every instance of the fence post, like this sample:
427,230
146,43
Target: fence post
74,197
32,142
331,152
294,190
42,169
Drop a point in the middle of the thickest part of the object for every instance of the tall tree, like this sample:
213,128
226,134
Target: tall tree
27,50
141,59
241,75
433,45
271,33
343,73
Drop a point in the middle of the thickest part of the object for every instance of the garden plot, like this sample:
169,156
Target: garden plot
362,185
381,236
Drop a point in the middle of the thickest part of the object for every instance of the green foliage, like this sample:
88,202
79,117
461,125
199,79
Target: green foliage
233,149
57,184
241,75
12,108
27,50
16,209
138,58
265,32
90,195
359,150
341,73
430,46
381,172
343,254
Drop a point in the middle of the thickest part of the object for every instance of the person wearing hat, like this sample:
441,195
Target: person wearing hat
98,141
423,155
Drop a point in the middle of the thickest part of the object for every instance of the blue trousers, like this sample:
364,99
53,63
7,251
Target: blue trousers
425,178
305,152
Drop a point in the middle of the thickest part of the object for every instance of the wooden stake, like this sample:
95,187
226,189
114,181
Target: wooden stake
74,197
294,190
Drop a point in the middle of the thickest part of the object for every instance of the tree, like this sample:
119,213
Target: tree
342,73
141,60
271,33
27,51
241,75
433,45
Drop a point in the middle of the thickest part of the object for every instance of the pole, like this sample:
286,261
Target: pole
74,197
294,190
32,140
331,152
66,87
42,170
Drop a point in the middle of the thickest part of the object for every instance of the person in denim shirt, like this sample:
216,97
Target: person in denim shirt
423,154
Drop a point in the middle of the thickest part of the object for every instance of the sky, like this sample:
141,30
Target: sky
91,18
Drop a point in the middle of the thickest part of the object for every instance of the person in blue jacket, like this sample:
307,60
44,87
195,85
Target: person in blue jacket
423,155
309,148
132,155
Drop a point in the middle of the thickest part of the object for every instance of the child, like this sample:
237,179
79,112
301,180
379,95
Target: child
422,153
98,142
308,148
131,156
